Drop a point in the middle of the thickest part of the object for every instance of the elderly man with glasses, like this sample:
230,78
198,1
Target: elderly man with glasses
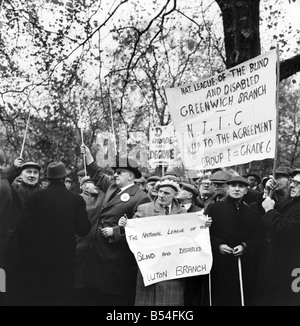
112,267
281,255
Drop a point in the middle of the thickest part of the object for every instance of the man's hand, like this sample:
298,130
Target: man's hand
122,221
268,204
107,232
86,152
238,250
18,162
225,250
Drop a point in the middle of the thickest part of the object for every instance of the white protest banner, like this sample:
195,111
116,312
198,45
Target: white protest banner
161,146
227,119
170,246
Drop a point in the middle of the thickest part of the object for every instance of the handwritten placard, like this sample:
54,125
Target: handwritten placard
227,119
161,146
170,247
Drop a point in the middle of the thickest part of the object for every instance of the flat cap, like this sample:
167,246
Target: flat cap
190,188
238,179
168,183
220,177
255,175
31,164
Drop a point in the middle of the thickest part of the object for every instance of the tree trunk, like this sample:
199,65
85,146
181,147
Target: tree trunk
241,30
241,34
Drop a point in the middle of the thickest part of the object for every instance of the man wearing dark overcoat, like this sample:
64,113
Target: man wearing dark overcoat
112,266
47,237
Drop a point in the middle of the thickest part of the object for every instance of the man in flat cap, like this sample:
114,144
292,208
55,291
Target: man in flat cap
151,188
112,266
219,186
187,196
30,173
279,271
51,220
233,236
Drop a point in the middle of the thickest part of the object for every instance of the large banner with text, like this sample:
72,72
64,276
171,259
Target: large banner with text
170,246
227,119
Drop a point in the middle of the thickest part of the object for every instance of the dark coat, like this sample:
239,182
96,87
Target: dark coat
232,225
281,255
47,237
112,266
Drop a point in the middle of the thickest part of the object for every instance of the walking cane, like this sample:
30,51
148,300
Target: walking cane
241,280
209,289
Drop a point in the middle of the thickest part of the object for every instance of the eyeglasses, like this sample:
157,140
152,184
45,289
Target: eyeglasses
295,182
120,171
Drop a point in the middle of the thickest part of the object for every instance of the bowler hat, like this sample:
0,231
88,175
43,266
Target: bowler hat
126,163
2,158
190,188
168,183
238,179
283,170
56,170
31,164
219,177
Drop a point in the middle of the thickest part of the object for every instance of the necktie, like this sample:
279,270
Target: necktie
167,211
114,194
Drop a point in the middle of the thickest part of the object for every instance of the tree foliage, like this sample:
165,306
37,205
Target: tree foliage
110,62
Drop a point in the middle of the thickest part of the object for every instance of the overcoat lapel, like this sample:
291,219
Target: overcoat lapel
117,199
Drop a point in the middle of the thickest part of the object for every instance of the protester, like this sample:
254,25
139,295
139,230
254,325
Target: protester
187,196
151,188
47,236
194,286
219,186
112,266
206,191
30,180
277,285
141,182
93,198
170,292
233,237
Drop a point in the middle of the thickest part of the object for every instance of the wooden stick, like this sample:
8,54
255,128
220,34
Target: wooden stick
24,138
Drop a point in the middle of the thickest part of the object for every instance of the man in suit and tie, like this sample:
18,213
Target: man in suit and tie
112,266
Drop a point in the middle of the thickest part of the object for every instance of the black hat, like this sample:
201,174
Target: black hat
154,178
129,164
296,171
31,164
256,176
190,188
238,179
56,170
219,177
283,170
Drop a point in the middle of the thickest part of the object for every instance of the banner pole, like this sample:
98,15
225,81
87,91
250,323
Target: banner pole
277,116
277,109
25,134
81,133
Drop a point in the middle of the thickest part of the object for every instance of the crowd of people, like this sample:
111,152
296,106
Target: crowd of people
65,245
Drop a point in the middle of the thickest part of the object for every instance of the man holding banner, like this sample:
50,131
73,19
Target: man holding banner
158,288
